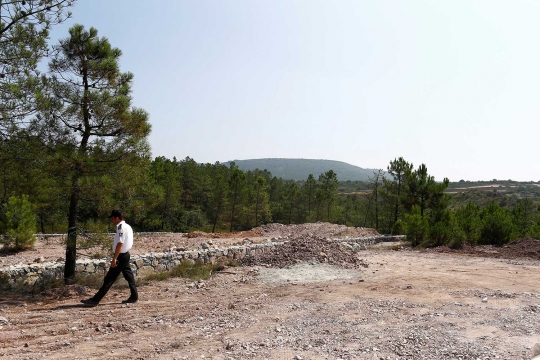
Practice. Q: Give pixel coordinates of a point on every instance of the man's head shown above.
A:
(116, 216)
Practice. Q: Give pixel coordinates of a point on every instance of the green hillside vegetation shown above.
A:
(506, 193)
(182, 196)
(299, 169)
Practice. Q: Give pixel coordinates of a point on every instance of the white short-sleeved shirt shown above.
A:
(124, 235)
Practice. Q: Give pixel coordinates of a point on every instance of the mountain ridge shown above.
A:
(299, 169)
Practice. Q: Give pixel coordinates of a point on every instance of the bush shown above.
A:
(468, 219)
(497, 226)
(416, 227)
(398, 228)
(20, 224)
(534, 231)
(446, 232)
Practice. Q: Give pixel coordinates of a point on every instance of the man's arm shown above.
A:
(116, 253)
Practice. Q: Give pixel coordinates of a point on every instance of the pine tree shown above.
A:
(309, 191)
(86, 119)
(24, 31)
(328, 184)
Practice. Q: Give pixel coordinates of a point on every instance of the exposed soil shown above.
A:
(435, 304)
(53, 248)
(527, 248)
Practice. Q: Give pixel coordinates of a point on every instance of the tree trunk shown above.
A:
(290, 212)
(71, 244)
(257, 208)
(309, 202)
(41, 223)
(396, 211)
(216, 217)
(367, 211)
(233, 206)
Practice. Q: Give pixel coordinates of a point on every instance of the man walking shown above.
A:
(123, 241)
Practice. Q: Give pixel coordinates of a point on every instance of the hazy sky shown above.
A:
(452, 84)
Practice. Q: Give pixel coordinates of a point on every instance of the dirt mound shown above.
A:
(523, 248)
(201, 234)
(527, 247)
(307, 248)
(321, 229)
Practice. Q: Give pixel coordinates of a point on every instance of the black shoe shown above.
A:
(129, 301)
(90, 302)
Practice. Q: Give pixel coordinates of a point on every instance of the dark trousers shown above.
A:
(121, 267)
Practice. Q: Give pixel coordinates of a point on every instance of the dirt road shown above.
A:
(405, 305)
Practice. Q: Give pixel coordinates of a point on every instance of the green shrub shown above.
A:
(4, 281)
(497, 225)
(534, 231)
(20, 224)
(398, 228)
(468, 219)
(416, 227)
(446, 232)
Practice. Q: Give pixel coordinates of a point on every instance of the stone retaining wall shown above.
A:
(27, 276)
(17, 276)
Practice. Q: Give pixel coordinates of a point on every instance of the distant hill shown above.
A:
(299, 169)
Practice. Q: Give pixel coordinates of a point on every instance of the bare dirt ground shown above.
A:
(53, 248)
(436, 304)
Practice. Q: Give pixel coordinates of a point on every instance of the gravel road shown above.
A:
(404, 305)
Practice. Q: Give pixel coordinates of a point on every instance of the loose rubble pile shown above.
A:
(307, 248)
(322, 229)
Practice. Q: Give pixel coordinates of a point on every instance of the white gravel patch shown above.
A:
(307, 273)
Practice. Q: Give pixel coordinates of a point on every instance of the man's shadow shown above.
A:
(78, 306)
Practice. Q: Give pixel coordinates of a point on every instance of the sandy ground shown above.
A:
(405, 305)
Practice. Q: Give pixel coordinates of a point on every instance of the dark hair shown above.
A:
(116, 213)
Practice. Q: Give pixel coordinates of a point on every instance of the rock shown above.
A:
(485, 299)
(535, 352)
(39, 259)
(3, 320)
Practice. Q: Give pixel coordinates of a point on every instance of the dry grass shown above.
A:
(196, 271)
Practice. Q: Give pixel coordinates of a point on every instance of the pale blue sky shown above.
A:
(452, 84)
